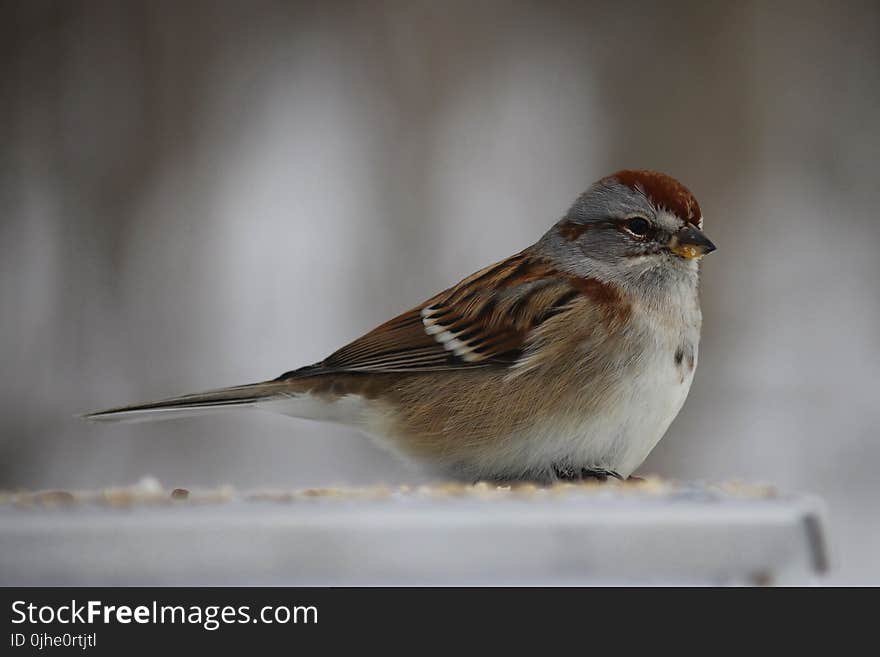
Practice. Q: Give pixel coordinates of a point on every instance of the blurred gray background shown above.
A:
(200, 194)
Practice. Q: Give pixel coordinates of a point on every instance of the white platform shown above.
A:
(649, 533)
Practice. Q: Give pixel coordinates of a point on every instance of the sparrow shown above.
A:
(567, 360)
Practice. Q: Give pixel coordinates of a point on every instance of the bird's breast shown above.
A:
(622, 397)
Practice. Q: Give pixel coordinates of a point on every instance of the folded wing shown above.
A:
(482, 321)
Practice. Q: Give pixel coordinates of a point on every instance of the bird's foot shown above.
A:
(581, 474)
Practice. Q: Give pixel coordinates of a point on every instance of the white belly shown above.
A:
(618, 437)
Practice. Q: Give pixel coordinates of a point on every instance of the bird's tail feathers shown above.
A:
(194, 404)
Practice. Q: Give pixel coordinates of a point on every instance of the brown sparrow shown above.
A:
(569, 359)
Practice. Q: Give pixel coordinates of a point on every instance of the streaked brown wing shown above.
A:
(483, 320)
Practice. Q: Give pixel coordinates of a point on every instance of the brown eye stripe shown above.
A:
(572, 230)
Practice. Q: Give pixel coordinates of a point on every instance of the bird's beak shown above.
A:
(690, 242)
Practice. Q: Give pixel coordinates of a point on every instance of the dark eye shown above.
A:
(638, 226)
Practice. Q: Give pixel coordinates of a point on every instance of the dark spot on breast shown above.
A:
(685, 352)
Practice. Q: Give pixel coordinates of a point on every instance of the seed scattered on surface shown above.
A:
(141, 495)
(54, 498)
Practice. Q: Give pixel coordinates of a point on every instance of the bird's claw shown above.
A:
(572, 474)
